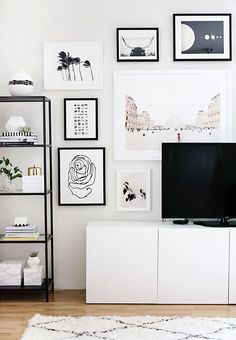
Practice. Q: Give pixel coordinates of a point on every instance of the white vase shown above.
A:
(33, 261)
(14, 123)
(6, 184)
(20, 84)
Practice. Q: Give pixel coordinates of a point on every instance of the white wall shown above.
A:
(24, 26)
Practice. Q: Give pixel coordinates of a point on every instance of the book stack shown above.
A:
(21, 233)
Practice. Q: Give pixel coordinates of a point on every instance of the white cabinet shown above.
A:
(147, 262)
(232, 270)
(121, 262)
(193, 265)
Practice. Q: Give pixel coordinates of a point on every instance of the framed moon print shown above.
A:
(73, 65)
(80, 118)
(133, 189)
(81, 176)
(202, 37)
(137, 44)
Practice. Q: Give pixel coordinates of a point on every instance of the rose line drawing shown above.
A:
(81, 176)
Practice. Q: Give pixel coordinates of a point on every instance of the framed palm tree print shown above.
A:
(73, 65)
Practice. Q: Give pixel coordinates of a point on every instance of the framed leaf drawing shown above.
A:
(133, 189)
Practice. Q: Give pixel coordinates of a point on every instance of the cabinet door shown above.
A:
(193, 265)
(121, 265)
(232, 269)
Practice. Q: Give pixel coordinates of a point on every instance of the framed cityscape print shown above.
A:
(152, 106)
(202, 37)
(81, 176)
(80, 118)
(133, 189)
(137, 44)
(73, 65)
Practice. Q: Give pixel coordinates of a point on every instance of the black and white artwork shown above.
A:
(69, 65)
(137, 44)
(81, 176)
(80, 118)
(133, 190)
(202, 37)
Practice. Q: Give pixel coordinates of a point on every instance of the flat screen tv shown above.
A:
(199, 181)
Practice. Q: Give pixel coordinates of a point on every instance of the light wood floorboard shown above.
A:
(15, 311)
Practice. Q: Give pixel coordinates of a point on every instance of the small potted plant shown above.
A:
(10, 172)
(33, 259)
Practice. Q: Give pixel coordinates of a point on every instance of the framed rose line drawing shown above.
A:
(199, 37)
(73, 65)
(133, 189)
(80, 118)
(137, 44)
(152, 106)
(81, 176)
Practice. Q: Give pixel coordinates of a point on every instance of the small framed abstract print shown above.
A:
(80, 118)
(202, 37)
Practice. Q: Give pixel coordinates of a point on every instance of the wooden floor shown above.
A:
(15, 311)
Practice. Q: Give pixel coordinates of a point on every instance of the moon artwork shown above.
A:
(201, 37)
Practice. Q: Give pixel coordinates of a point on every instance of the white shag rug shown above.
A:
(42, 327)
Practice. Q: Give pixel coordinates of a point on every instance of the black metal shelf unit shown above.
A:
(47, 237)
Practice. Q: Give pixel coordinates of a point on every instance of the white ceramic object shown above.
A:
(21, 84)
(33, 261)
(15, 123)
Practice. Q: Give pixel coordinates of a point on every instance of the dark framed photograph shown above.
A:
(80, 118)
(202, 37)
(81, 176)
(137, 44)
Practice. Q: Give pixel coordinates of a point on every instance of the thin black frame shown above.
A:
(104, 176)
(156, 29)
(229, 15)
(96, 118)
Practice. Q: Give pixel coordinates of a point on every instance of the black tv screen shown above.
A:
(198, 180)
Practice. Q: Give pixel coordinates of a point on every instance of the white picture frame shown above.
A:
(152, 106)
(133, 190)
(73, 65)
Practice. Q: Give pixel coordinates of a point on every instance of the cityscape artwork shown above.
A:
(175, 106)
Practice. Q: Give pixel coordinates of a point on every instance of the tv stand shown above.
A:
(217, 224)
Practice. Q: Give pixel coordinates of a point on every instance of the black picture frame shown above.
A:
(80, 118)
(202, 37)
(81, 176)
(132, 44)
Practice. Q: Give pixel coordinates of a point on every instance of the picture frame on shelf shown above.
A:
(133, 190)
(81, 176)
(202, 37)
(152, 106)
(73, 65)
(80, 118)
(137, 44)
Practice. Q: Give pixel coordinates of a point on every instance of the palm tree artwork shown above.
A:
(67, 68)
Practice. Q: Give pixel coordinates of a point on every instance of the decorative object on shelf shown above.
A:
(33, 183)
(21, 84)
(81, 176)
(15, 124)
(199, 109)
(137, 44)
(11, 272)
(73, 65)
(20, 221)
(133, 189)
(33, 276)
(201, 37)
(80, 118)
(34, 171)
(10, 173)
(33, 259)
